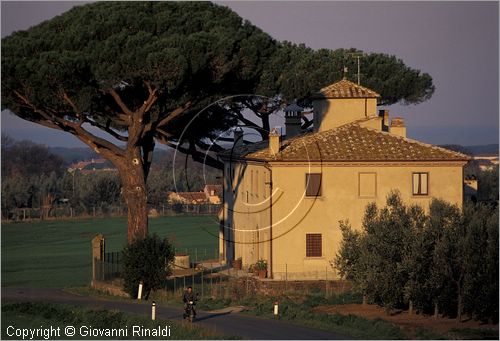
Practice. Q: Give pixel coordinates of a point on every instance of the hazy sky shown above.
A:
(457, 43)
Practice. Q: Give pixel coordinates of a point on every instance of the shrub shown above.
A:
(148, 260)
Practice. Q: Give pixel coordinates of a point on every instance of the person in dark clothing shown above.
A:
(189, 296)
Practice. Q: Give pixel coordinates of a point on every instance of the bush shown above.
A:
(148, 260)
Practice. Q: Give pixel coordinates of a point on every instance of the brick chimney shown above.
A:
(398, 127)
(384, 114)
(274, 142)
(293, 119)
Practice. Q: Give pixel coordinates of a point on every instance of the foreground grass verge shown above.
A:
(293, 311)
(35, 315)
(300, 312)
(474, 334)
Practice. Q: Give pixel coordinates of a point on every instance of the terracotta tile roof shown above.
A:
(345, 89)
(350, 142)
(193, 196)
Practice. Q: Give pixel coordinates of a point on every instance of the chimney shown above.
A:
(293, 119)
(384, 114)
(238, 137)
(398, 127)
(274, 142)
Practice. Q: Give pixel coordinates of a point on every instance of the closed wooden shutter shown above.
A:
(313, 245)
(313, 184)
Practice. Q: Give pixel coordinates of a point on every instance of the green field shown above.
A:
(58, 253)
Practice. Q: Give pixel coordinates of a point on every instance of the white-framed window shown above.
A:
(420, 183)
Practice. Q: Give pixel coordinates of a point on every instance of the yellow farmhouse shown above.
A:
(283, 199)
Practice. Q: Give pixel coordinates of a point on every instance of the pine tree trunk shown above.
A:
(410, 312)
(365, 300)
(436, 310)
(135, 195)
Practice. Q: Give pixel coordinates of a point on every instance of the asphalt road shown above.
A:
(230, 324)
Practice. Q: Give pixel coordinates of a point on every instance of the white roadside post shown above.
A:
(275, 308)
(139, 293)
(153, 311)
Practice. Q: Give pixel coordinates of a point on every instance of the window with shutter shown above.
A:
(420, 184)
(313, 245)
(313, 184)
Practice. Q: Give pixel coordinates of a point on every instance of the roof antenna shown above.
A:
(357, 55)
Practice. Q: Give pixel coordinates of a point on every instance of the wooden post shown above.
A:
(98, 250)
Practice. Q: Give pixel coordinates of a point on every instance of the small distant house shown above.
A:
(213, 193)
(188, 198)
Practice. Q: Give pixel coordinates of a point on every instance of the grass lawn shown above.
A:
(58, 253)
(34, 315)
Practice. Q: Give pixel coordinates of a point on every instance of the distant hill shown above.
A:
(486, 149)
(74, 155)
(483, 149)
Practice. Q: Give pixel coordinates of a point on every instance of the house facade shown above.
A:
(284, 198)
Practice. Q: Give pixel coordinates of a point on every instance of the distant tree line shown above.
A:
(33, 177)
(441, 261)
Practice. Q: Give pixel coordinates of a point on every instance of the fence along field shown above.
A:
(58, 253)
